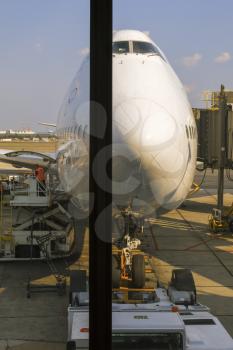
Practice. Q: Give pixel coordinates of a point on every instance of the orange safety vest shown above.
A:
(40, 174)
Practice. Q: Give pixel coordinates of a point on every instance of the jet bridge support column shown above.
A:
(223, 108)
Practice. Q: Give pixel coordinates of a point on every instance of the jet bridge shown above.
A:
(209, 124)
(215, 150)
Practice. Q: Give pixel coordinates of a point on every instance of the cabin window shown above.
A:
(76, 132)
(190, 132)
(120, 47)
(85, 132)
(80, 131)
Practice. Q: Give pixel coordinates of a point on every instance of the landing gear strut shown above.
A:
(128, 263)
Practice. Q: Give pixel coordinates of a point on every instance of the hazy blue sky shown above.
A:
(42, 43)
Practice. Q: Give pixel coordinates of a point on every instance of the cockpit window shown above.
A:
(138, 47)
(120, 47)
(144, 48)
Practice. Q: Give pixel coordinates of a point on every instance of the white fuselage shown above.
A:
(154, 131)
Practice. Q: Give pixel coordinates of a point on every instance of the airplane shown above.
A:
(154, 131)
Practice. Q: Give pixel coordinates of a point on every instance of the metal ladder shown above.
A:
(5, 211)
(60, 286)
(6, 224)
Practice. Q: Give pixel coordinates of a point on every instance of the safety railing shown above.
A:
(33, 187)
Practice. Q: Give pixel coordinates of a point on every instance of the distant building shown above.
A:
(17, 132)
(211, 98)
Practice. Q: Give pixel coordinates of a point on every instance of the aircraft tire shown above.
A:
(231, 225)
(116, 273)
(70, 345)
(138, 271)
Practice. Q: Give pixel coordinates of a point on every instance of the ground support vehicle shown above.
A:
(160, 319)
(221, 220)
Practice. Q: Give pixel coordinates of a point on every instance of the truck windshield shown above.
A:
(161, 341)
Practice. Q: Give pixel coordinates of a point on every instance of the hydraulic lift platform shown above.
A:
(27, 217)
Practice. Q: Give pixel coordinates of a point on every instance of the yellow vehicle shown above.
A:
(128, 264)
(221, 220)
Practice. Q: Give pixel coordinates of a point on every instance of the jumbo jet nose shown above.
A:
(144, 122)
(164, 156)
(153, 135)
(147, 127)
(158, 128)
(161, 150)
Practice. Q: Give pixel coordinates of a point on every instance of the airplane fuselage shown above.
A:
(154, 131)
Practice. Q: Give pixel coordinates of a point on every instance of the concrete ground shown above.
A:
(180, 238)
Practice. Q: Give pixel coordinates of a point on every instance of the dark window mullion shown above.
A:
(100, 251)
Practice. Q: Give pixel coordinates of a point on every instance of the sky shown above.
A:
(43, 42)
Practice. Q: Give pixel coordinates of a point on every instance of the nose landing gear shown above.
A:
(128, 262)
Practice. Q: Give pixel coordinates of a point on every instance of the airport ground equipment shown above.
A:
(38, 213)
(128, 263)
(158, 319)
(60, 286)
(221, 220)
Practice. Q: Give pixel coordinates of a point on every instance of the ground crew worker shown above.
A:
(40, 177)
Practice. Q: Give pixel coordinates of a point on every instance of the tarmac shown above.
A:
(180, 238)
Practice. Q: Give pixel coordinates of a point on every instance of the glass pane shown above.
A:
(155, 155)
(120, 47)
(147, 341)
(44, 79)
(143, 47)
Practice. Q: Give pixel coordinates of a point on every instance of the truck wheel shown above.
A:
(116, 273)
(138, 271)
(70, 345)
(78, 280)
(231, 225)
(116, 278)
(115, 261)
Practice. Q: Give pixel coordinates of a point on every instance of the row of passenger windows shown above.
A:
(191, 132)
(75, 132)
(138, 47)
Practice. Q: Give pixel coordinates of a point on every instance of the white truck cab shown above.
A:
(154, 322)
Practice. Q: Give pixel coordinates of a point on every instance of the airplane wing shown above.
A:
(26, 159)
(10, 170)
(48, 124)
(23, 162)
